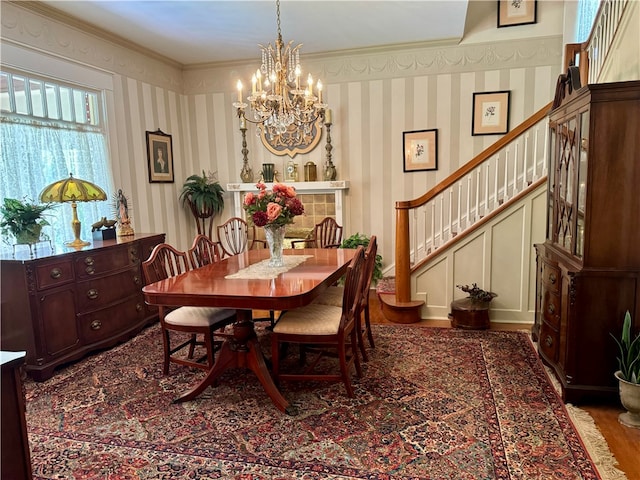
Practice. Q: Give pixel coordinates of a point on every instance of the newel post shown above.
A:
(403, 273)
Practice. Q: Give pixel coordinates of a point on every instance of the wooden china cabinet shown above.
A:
(62, 304)
(588, 268)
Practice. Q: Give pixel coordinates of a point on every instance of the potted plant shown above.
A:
(23, 219)
(472, 312)
(205, 197)
(357, 239)
(628, 374)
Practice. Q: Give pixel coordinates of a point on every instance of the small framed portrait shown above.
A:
(420, 150)
(516, 12)
(490, 113)
(159, 157)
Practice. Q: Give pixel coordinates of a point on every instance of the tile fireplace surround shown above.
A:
(320, 199)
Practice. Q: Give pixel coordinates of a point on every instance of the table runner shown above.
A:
(263, 271)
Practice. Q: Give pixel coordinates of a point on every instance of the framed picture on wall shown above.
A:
(159, 157)
(490, 113)
(516, 12)
(420, 150)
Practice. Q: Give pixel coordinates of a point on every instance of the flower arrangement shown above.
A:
(273, 207)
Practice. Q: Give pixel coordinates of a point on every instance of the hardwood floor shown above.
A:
(623, 442)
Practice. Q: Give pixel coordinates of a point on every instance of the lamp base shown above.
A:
(77, 243)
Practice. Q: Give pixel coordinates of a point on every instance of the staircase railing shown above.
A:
(591, 55)
(501, 172)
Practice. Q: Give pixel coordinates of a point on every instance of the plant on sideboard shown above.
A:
(23, 219)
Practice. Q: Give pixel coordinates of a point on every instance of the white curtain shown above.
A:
(34, 154)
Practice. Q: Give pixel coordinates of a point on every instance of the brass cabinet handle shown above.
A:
(90, 270)
(548, 341)
(552, 278)
(136, 279)
(551, 308)
(55, 273)
(92, 294)
(89, 261)
(96, 325)
(138, 307)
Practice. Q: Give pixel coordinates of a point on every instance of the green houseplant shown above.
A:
(23, 219)
(357, 239)
(205, 197)
(628, 374)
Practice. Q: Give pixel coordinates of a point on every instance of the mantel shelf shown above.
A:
(307, 187)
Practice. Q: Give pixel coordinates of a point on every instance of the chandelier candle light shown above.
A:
(278, 102)
(273, 210)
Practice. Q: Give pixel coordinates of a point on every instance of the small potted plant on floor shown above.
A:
(472, 312)
(628, 374)
(23, 219)
(357, 239)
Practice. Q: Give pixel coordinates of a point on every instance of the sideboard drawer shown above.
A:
(96, 293)
(53, 274)
(551, 276)
(100, 262)
(103, 323)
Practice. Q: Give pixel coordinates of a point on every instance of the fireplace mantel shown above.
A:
(337, 187)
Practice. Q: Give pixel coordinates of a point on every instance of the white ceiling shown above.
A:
(192, 32)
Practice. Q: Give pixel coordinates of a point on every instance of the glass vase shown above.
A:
(275, 240)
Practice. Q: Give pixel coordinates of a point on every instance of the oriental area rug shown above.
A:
(431, 404)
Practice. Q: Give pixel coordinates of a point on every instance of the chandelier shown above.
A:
(283, 110)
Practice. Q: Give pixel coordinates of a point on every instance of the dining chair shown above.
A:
(334, 294)
(324, 327)
(203, 251)
(326, 234)
(166, 262)
(236, 236)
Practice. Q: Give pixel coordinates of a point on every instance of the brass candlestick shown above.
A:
(329, 169)
(246, 174)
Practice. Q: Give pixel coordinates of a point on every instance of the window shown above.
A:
(47, 131)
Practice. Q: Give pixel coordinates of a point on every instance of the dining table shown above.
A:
(245, 282)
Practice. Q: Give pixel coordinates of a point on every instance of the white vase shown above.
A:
(630, 398)
(275, 240)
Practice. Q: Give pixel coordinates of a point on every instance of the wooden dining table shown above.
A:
(243, 282)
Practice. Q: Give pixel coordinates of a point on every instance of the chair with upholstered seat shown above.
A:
(203, 251)
(166, 262)
(324, 327)
(236, 236)
(333, 296)
(326, 234)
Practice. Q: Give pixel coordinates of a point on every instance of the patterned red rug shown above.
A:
(432, 404)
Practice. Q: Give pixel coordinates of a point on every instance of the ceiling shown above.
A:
(193, 32)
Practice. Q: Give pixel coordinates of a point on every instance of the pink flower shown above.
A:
(249, 199)
(273, 211)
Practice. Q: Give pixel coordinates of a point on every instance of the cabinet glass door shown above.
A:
(582, 181)
(566, 169)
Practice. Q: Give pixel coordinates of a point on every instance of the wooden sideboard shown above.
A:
(60, 306)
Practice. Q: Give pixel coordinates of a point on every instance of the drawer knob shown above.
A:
(90, 270)
(92, 294)
(551, 308)
(96, 325)
(89, 261)
(136, 279)
(55, 273)
(552, 278)
(548, 341)
(138, 307)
